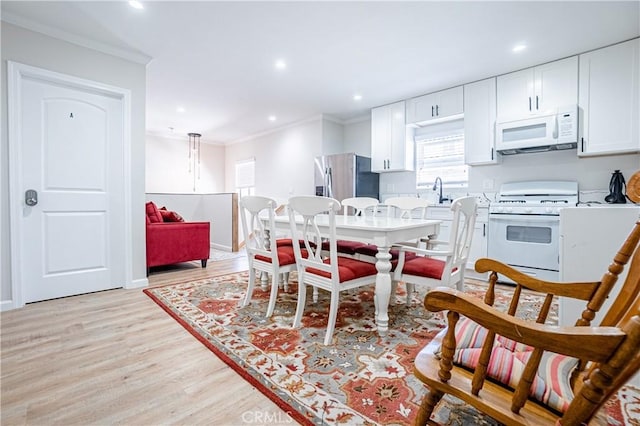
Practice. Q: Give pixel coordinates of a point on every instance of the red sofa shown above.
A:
(171, 240)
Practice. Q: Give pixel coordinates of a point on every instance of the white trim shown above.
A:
(357, 119)
(7, 305)
(221, 247)
(317, 117)
(142, 282)
(16, 72)
(129, 55)
(179, 137)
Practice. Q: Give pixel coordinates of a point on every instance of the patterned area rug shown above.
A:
(361, 379)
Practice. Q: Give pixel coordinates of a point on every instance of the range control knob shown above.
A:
(528, 209)
(548, 210)
(509, 209)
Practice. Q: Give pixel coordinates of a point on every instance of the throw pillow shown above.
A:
(170, 216)
(153, 213)
(551, 385)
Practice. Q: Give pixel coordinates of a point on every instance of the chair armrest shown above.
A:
(592, 343)
(582, 291)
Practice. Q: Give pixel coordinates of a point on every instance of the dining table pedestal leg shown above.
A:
(383, 288)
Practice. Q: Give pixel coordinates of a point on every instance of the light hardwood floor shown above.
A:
(115, 357)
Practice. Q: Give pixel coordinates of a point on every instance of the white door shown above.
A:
(72, 156)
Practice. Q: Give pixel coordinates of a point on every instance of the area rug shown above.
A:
(361, 379)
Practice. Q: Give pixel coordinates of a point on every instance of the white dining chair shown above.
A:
(363, 207)
(407, 207)
(265, 252)
(333, 273)
(444, 265)
(404, 208)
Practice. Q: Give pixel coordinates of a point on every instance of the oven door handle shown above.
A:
(524, 218)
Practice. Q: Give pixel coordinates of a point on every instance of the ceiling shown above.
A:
(216, 59)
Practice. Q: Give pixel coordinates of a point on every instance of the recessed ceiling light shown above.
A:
(180, 109)
(519, 48)
(272, 118)
(136, 4)
(357, 97)
(280, 64)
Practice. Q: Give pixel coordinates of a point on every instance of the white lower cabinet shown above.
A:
(479, 241)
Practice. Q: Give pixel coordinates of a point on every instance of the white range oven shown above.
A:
(524, 226)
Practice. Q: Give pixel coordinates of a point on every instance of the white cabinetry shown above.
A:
(609, 99)
(391, 141)
(479, 241)
(587, 250)
(479, 122)
(538, 90)
(446, 104)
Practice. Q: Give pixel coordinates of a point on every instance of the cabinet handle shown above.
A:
(432, 110)
(529, 103)
(537, 102)
(491, 154)
(437, 112)
(484, 229)
(582, 144)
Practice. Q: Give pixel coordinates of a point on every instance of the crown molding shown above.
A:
(47, 30)
(317, 117)
(178, 137)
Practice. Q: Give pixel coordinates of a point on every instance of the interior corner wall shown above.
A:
(332, 137)
(283, 160)
(357, 137)
(35, 49)
(167, 167)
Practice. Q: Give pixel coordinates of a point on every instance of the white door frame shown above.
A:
(16, 73)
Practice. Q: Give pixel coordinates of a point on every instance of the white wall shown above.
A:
(284, 160)
(332, 137)
(357, 136)
(31, 48)
(171, 154)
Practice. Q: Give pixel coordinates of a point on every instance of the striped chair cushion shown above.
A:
(551, 385)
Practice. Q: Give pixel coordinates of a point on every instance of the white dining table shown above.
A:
(383, 232)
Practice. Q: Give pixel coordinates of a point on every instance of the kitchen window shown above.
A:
(440, 153)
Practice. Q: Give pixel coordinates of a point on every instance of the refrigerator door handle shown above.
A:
(329, 183)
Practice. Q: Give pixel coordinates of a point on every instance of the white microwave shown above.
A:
(558, 130)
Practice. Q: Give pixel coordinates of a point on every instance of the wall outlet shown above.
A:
(487, 184)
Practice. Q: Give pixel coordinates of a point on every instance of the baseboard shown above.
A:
(142, 282)
(221, 247)
(7, 305)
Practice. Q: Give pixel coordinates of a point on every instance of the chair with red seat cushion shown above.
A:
(444, 266)
(362, 207)
(265, 254)
(332, 273)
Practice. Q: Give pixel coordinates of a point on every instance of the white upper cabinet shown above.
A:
(445, 104)
(538, 90)
(479, 122)
(391, 140)
(609, 100)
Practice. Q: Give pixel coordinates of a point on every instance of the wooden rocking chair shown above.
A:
(605, 357)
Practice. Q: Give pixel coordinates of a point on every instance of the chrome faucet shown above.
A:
(435, 185)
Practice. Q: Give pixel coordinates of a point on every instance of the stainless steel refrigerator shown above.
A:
(343, 176)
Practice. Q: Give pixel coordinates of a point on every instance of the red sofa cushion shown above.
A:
(153, 213)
